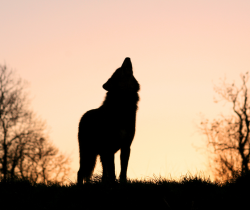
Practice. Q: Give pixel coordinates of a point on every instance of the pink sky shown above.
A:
(179, 49)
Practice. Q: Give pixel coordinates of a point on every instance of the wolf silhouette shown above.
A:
(111, 127)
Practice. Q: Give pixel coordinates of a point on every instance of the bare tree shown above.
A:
(43, 163)
(228, 137)
(25, 150)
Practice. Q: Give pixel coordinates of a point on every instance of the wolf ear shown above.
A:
(127, 66)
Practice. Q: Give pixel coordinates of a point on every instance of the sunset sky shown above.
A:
(179, 49)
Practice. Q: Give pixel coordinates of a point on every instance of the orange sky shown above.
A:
(179, 49)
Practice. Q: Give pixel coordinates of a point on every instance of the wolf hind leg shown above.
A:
(87, 165)
(108, 166)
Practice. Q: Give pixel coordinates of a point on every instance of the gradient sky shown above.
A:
(179, 49)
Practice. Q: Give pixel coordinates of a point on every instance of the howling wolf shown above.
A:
(111, 127)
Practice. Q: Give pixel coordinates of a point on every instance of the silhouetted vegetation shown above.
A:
(228, 138)
(25, 151)
(158, 193)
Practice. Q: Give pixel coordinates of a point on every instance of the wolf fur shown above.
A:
(111, 127)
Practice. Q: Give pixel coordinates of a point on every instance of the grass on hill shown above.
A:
(191, 192)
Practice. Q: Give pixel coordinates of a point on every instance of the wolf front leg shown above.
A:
(125, 153)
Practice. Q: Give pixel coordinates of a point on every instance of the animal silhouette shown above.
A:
(111, 127)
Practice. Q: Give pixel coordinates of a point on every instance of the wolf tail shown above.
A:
(87, 165)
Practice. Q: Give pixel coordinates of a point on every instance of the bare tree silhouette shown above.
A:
(25, 150)
(228, 137)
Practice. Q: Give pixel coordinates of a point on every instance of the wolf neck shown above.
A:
(121, 100)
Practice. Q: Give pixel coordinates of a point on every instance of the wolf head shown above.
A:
(123, 79)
